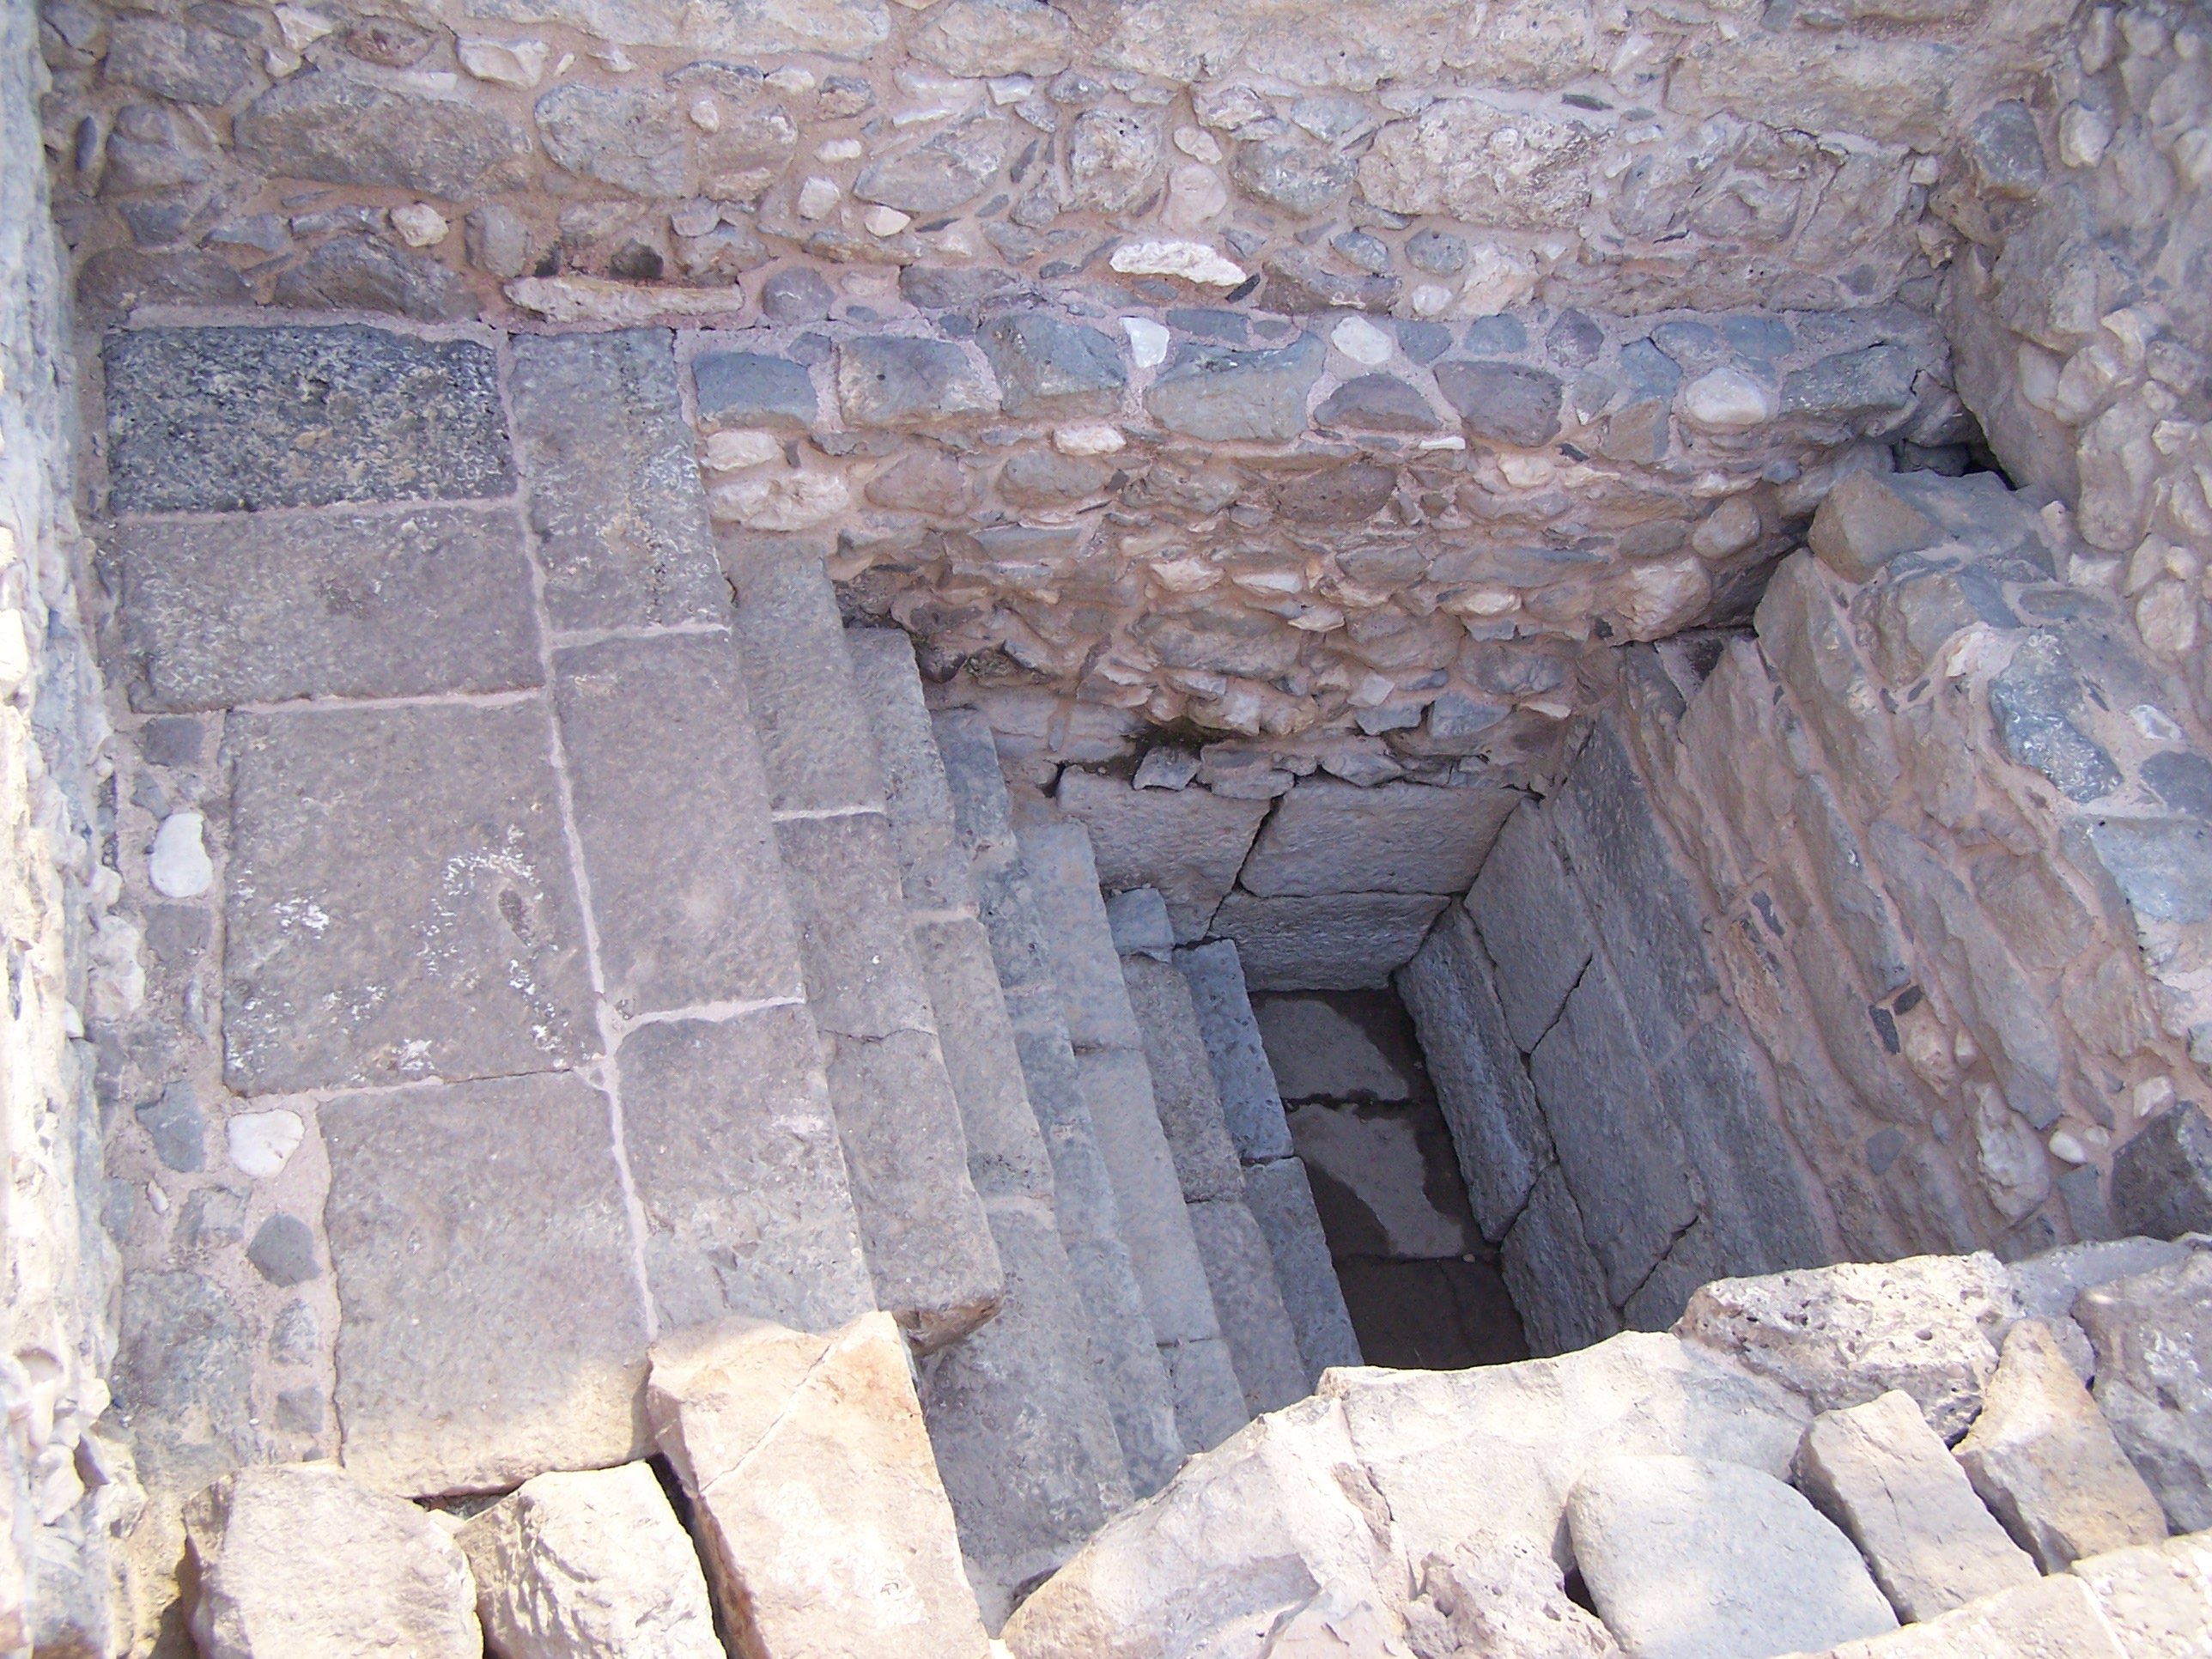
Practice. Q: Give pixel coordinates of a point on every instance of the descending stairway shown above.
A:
(798, 1016)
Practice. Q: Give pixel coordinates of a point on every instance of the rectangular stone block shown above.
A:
(1640, 900)
(1189, 843)
(671, 809)
(1208, 1400)
(843, 879)
(1533, 925)
(237, 420)
(739, 1173)
(1617, 1145)
(1557, 1285)
(1335, 942)
(1482, 1084)
(932, 855)
(980, 807)
(491, 1326)
(1006, 1155)
(400, 903)
(1183, 1090)
(1329, 836)
(1282, 1203)
(1154, 1222)
(1063, 884)
(814, 730)
(921, 1223)
(612, 483)
(1251, 1106)
(265, 609)
(1263, 1347)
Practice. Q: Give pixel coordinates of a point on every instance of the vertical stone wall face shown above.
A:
(2077, 305)
(72, 959)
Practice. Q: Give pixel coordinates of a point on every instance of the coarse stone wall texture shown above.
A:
(73, 964)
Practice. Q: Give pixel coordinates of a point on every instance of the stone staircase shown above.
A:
(630, 960)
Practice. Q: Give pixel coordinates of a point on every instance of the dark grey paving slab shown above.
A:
(861, 974)
(257, 610)
(932, 855)
(229, 420)
(735, 1157)
(671, 807)
(1251, 1105)
(1334, 942)
(1006, 1155)
(614, 487)
(1262, 1346)
(183, 1380)
(492, 1326)
(400, 904)
(1063, 886)
(806, 705)
(1183, 1090)
(1281, 1200)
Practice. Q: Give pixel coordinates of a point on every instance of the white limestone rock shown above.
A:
(1505, 1602)
(179, 866)
(298, 1561)
(589, 1565)
(1690, 1559)
(261, 1143)
(827, 1531)
(1192, 262)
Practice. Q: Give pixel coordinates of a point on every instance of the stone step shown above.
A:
(1110, 1051)
(1275, 1183)
(1130, 1368)
(1239, 1266)
(1023, 1435)
(929, 1244)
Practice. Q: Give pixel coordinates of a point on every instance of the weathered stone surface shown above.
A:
(1188, 843)
(1248, 1299)
(1377, 402)
(1846, 1334)
(2057, 1617)
(366, 273)
(632, 140)
(229, 420)
(1007, 1154)
(1328, 836)
(947, 172)
(750, 388)
(2157, 1598)
(675, 929)
(1063, 885)
(1297, 176)
(1209, 1399)
(1046, 366)
(120, 279)
(1183, 1090)
(1248, 1533)
(2152, 1334)
(214, 615)
(803, 701)
(1505, 402)
(997, 36)
(889, 380)
(1281, 1200)
(1531, 924)
(1209, 392)
(739, 1173)
(347, 131)
(826, 1530)
(400, 904)
(1689, 1558)
(589, 1565)
(1452, 160)
(491, 1326)
(1870, 388)
(1251, 1108)
(183, 1379)
(1341, 941)
(1506, 1601)
(836, 28)
(1492, 1452)
(616, 502)
(193, 66)
(2162, 1177)
(1879, 1473)
(1864, 523)
(1489, 1103)
(299, 1560)
(2045, 1462)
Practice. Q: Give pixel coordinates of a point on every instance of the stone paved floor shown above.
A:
(1421, 1285)
(466, 1008)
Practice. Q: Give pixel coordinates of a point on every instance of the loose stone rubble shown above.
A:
(665, 670)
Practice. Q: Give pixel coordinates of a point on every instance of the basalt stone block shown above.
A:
(1505, 402)
(1211, 393)
(889, 380)
(400, 904)
(1047, 366)
(1251, 1106)
(749, 388)
(1350, 494)
(2163, 867)
(184, 1380)
(492, 1327)
(2032, 702)
(1532, 923)
(213, 615)
(1332, 941)
(1297, 280)
(119, 279)
(614, 499)
(1377, 402)
(2162, 1176)
(739, 1173)
(185, 62)
(367, 273)
(633, 141)
(1183, 1090)
(1329, 836)
(228, 420)
(1873, 385)
(340, 131)
(2151, 1333)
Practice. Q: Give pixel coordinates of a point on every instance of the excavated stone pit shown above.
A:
(1125, 701)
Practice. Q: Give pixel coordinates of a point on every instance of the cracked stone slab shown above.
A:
(213, 615)
(615, 500)
(739, 1174)
(1335, 942)
(231, 420)
(400, 904)
(1329, 836)
(671, 808)
(492, 1326)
